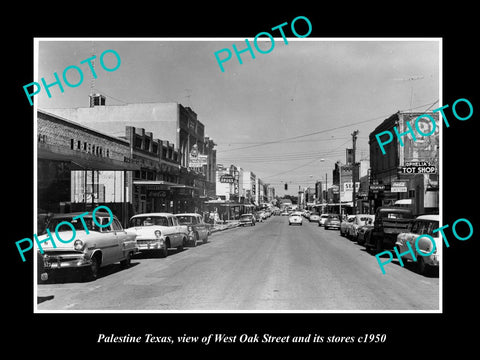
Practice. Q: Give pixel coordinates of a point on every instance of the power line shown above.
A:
(321, 131)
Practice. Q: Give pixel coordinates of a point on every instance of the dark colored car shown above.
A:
(389, 222)
(332, 222)
(247, 219)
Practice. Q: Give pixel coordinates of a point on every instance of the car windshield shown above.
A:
(77, 224)
(149, 221)
(186, 219)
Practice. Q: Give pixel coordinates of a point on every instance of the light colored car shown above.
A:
(358, 221)
(332, 222)
(426, 256)
(346, 224)
(157, 232)
(94, 247)
(323, 217)
(314, 217)
(198, 230)
(247, 219)
(295, 218)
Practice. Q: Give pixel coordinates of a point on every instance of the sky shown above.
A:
(278, 114)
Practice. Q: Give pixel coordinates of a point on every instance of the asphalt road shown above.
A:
(271, 266)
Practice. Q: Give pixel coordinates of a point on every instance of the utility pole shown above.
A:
(354, 202)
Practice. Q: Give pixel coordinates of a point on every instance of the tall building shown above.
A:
(407, 174)
(172, 122)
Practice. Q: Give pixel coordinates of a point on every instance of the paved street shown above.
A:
(271, 266)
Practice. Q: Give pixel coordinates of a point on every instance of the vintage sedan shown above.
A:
(198, 230)
(157, 232)
(322, 220)
(247, 219)
(426, 253)
(314, 217)
(346, 224)
(295, 218)
(364, 231)
(358, 221)
(92, 247)
(332, 222)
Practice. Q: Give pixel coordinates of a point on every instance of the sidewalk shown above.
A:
(230, 224)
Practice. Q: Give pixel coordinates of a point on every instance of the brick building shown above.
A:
(395, 173)
(71, 159)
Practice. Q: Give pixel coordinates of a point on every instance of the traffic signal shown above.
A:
(286, 186)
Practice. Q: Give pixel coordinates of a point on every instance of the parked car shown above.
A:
(428, 256)
(295, 218)
(346, 224)
(99, 247)
(365, 231)
(358, 221)
(314, 217)
(258, 217)
(389, 222)
(323, 217)
(157, 232)
(333, 221)
(198, 230)
(247, 219)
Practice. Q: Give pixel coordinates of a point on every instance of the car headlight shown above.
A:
(158, 233)
(78, 245)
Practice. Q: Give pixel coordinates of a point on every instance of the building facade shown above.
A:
(409, 173)
(172, 122)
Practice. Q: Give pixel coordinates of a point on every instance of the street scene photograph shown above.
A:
(238, 175)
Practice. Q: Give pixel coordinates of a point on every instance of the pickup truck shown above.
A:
(389, 222)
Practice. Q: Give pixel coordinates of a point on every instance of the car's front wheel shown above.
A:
(92, 271)
(164, 250)
(127, 261)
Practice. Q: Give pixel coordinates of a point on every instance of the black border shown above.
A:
(431, 332)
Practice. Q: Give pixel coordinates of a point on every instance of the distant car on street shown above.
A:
(100, 246)
(323, 217)
(285, 213)
(247, 219)
(295, 218)
(258, 216)
(422, 225)
(157, 232)
(332, 222)
(314, 217)
(346, 224)
(198, 230)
